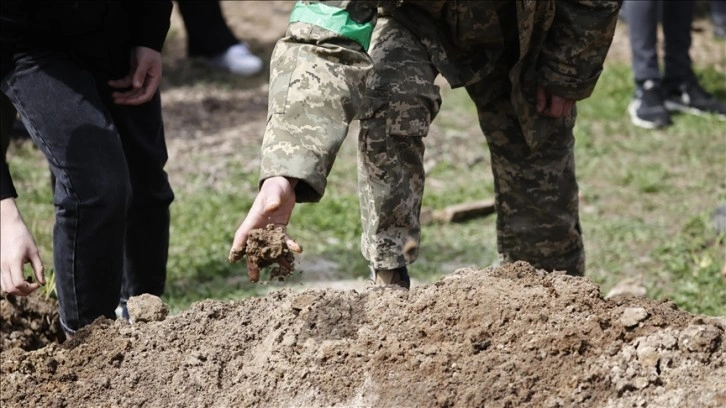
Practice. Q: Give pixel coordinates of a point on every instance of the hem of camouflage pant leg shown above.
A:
(385, 266)
(379, 261)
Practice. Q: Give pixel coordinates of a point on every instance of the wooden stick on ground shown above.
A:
(459, 212)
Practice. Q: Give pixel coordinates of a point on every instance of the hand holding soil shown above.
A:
(265, 247)
(262, 236)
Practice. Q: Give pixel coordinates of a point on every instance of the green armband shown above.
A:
(334, 19)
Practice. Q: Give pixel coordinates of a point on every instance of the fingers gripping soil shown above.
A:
(268, 246)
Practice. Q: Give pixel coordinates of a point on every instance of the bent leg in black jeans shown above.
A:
(111, 195)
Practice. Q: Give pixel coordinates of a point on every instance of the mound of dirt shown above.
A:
(29, 323)
(509, 336)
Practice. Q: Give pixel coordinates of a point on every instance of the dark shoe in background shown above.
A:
(691, 98)
(647, 109)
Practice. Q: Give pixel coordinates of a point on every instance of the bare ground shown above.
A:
(509, 336)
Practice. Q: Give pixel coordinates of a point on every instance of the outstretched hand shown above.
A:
(17, 247)
(143, 80)
(273, 205)
(552, 105)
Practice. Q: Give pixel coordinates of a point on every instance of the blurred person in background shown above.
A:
(211, 39)
(675, 88)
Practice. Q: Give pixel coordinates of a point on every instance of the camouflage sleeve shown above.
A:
(576, 47)
(317, 75)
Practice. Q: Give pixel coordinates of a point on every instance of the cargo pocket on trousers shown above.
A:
(400, 118)
(383, 123)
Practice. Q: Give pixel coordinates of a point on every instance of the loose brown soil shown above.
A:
(508, 336)
(500, 337)
(29, 323)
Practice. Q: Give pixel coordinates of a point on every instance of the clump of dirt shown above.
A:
(29, 323)
(265, 247)
(147, 308)
(508, 336)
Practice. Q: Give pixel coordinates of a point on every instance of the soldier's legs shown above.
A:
(400, 102)
(536, 191)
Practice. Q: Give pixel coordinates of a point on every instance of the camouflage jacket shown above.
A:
(317, 75)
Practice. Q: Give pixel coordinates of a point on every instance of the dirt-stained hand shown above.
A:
(143, 80)
(273, 205)
(17, 247)
(552, 105)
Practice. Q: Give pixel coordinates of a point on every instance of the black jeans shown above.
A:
(676, 18)
(112, 196)
(208, 34)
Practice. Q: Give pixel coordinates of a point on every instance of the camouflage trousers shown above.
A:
(536, 191)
